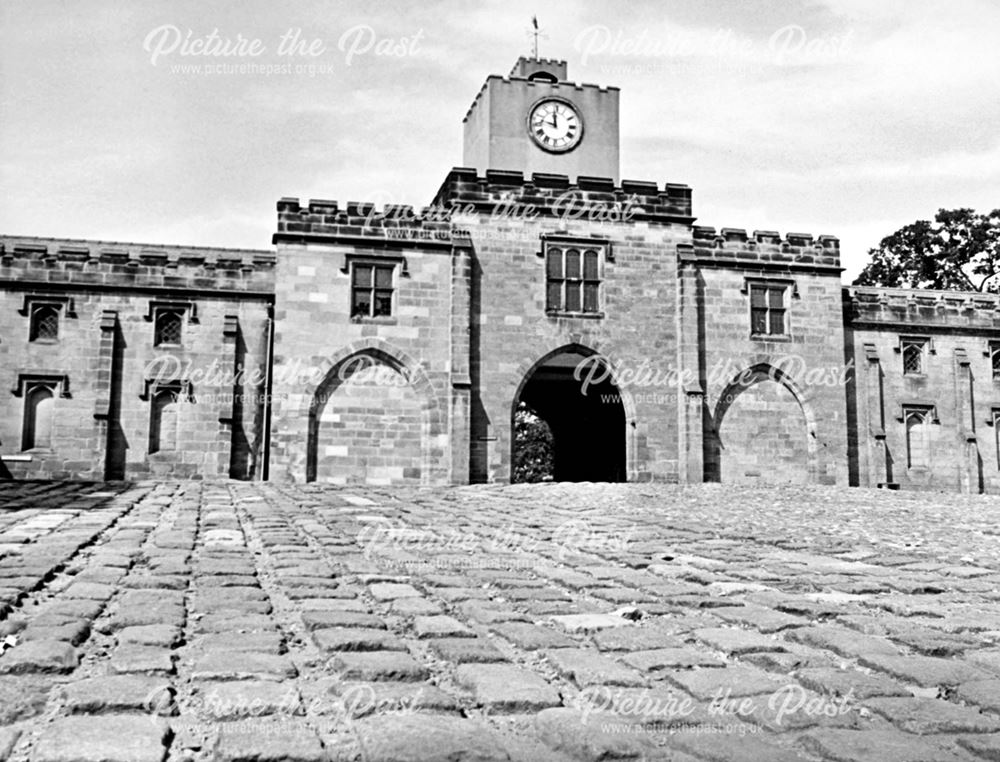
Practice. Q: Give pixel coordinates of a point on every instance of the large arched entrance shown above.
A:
(367, 424)
(761, 432)
(571, 393)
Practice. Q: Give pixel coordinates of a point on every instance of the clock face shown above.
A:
(555, 125)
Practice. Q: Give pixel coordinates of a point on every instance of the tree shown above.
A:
(533, 447)
(959, 251)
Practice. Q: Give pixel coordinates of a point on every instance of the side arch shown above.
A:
(763, 429)
(404, 396)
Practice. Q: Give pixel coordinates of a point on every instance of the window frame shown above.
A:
(27, 385)
(34, 308)
(175, 392)
(186, 310)
(787, 290)
(31, 389)
(928, 416)
(994, 421)
(158, 314)
(993, 353)
(579, 283)
(923, 345)
(376, 264)
(64, 307)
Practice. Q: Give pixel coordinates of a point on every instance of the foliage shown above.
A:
(959, 251)
(533, 447)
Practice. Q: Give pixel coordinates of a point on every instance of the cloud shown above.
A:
(843, 139)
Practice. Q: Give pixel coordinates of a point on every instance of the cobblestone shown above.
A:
(883, 745)
(506, 688)
(39, 656)
(111, 738)
(280, 742)
(408, 738)
(585, 667)
(246, 621)
(378, 665)
(94, 695)
(925, 716)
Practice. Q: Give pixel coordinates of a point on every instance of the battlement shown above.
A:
(112, 264)
(921, 308)
(396, 224)
(529, 67)
(510, 194)
(731, 246)
(551, 88)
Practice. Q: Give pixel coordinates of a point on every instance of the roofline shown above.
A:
(12, 238)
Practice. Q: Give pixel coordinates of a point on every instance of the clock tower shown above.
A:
(533, 120)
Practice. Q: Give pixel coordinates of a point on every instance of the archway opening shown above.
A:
(572, 394)
(534, 447)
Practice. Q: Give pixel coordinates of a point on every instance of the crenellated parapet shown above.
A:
(908, 309)
(500, 195)
(734, 247)
(362, 223)
(521, 76)
(511, 195)
(525, 67)
(113, 264)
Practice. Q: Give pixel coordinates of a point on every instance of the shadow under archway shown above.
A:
(586, 420)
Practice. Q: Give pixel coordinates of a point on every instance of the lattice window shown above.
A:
(913, 356)
(371, 289)
(768, 309)
(994, 353)
(168, 327)
(573, 278)
(39, 415)
(44, 324)
(918, 423)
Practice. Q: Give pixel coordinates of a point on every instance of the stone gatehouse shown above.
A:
(393, 345)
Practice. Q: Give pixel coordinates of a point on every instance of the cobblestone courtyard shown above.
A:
(234, 621)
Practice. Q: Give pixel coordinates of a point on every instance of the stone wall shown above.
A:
(426, 395)
(328, 424)
(507, 217)
(106, 369)
(762, 407)
(956, 386)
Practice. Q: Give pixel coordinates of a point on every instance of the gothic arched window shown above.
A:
(163, 421)
(918, 438)
(39, 401)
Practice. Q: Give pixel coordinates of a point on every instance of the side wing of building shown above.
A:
(128, 361)
(924, 407)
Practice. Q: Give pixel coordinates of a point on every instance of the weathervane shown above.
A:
(535, 33)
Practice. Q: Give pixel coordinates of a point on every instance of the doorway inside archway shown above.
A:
(586, 421)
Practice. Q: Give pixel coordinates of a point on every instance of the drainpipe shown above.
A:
(268, 371)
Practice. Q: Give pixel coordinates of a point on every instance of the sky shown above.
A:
(842, 117)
